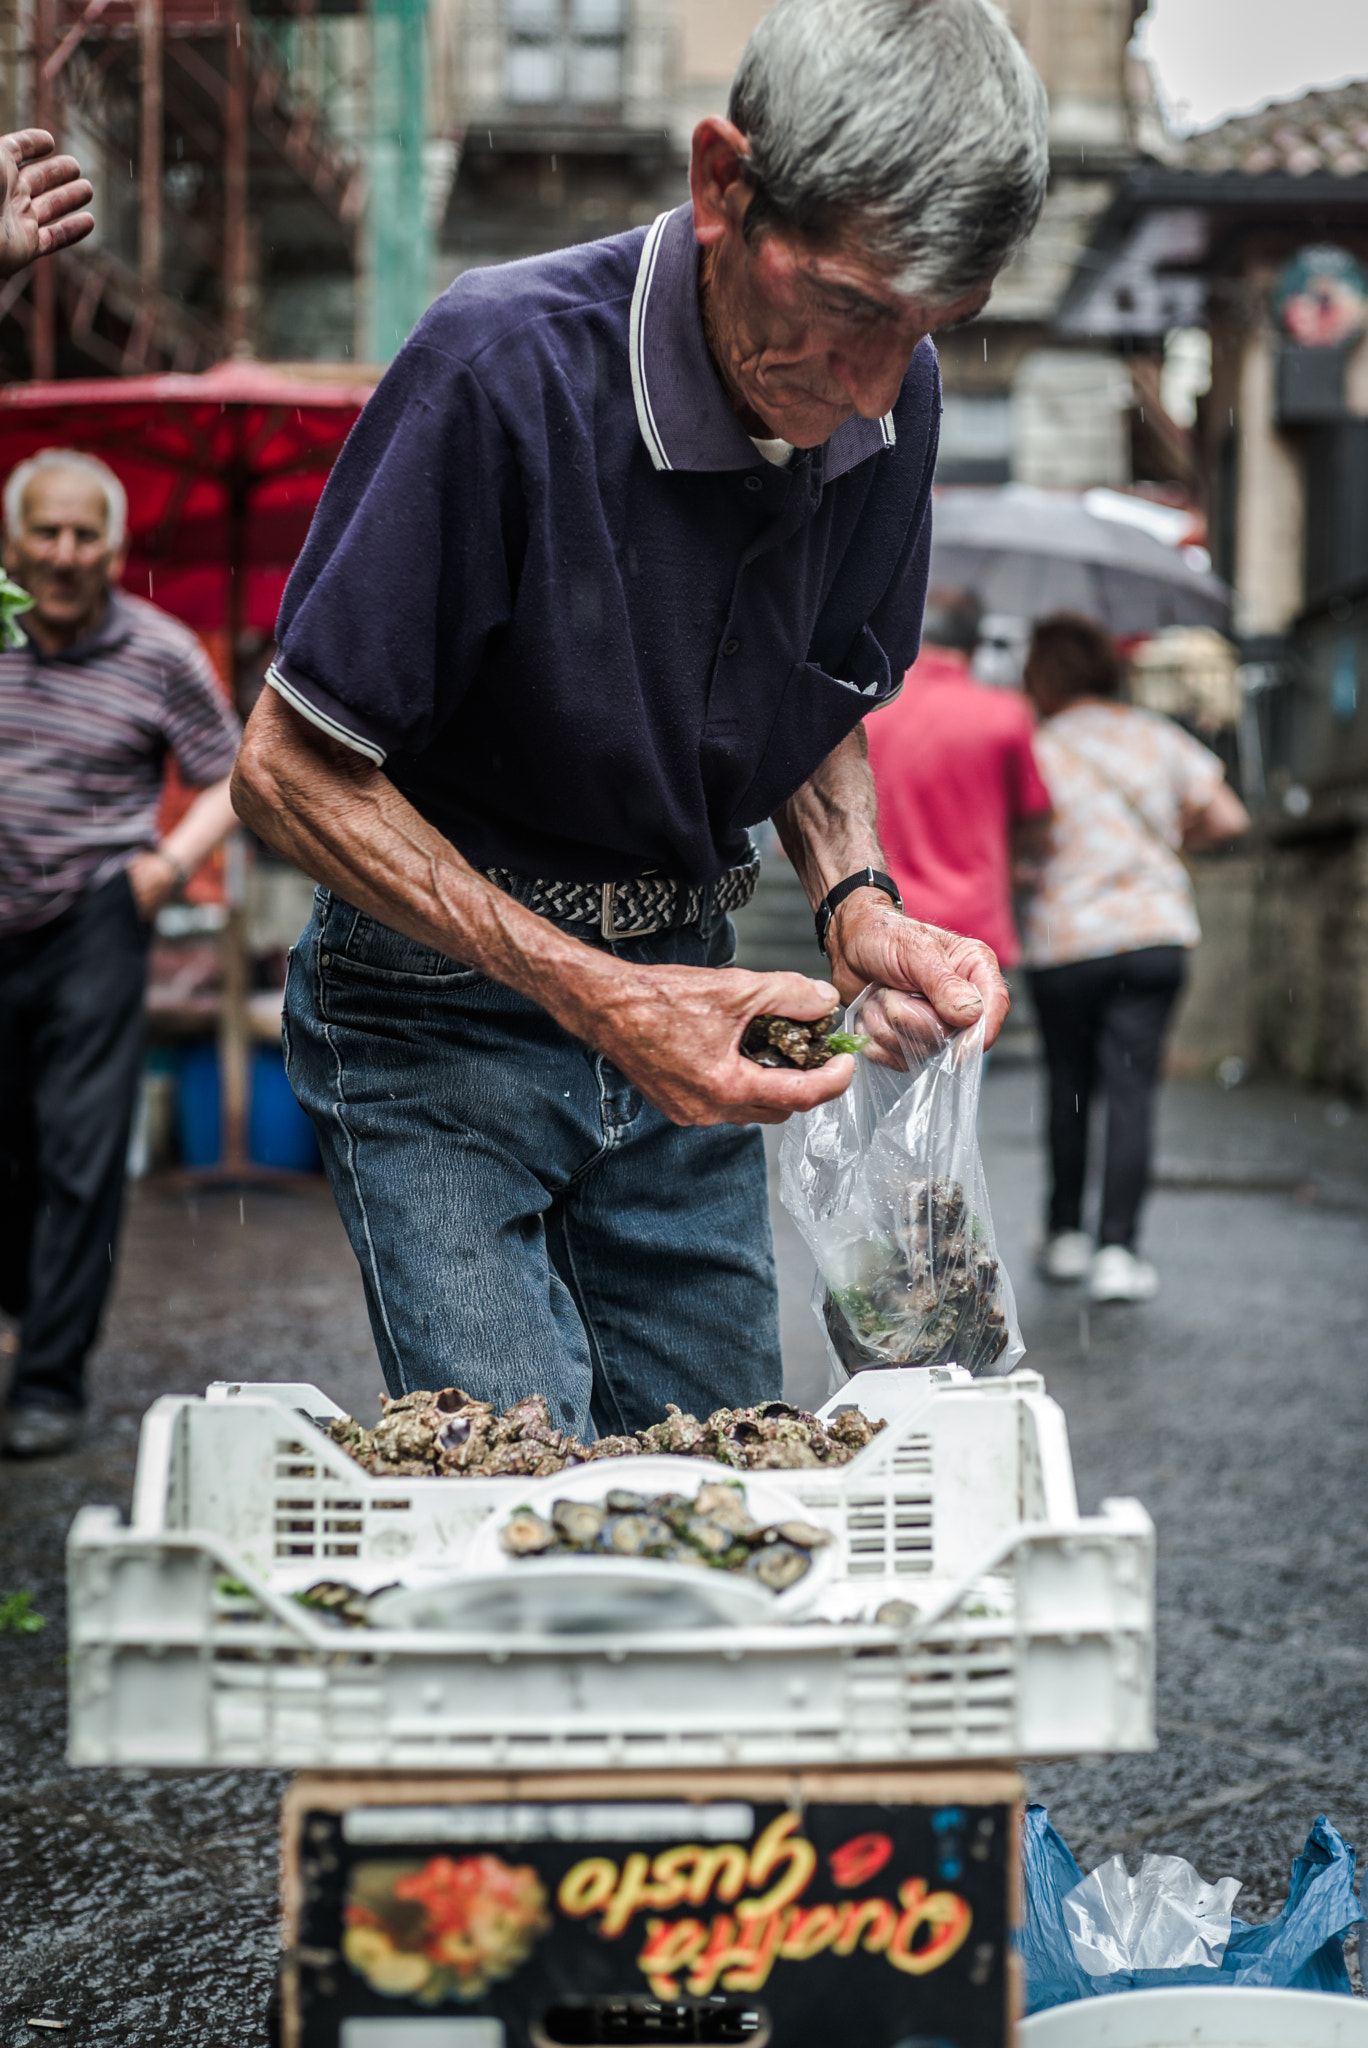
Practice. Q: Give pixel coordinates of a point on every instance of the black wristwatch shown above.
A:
(867, 878)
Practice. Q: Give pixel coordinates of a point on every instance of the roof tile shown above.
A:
(1324, 130)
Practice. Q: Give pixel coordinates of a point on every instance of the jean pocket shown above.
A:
(356, 944)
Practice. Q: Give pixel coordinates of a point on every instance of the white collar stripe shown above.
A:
(331, 726)
(650, 433)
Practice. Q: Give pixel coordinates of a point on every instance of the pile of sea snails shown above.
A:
(452, 1435)
(713, 1529)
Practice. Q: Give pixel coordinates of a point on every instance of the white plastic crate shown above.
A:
(1033, 1637)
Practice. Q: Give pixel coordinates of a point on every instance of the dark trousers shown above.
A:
(1103, 1024)
(71, 997)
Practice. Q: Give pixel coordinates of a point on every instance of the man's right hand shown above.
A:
(41, 200)
(675, 1032)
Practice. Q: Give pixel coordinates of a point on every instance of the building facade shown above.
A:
(1255, 234)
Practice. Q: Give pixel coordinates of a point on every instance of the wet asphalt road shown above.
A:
(142, 1909)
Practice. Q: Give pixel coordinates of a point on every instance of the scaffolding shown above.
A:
(258, 168)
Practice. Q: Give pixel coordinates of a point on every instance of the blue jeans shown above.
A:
(525, 1222)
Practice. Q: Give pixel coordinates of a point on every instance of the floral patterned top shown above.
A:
(1112, 881)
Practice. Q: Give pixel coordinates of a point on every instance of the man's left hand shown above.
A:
(154, 879)
(41, 200)
(870, 941)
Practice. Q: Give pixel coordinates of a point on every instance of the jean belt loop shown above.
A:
(708, 915)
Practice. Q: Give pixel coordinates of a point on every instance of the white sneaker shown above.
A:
(1117, 1275)
(1066, 1256)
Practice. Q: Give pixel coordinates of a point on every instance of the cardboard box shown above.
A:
(782, 1910)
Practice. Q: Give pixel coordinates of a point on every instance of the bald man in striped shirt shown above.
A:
(103, 689)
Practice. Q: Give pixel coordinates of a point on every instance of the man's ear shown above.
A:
(718, 184)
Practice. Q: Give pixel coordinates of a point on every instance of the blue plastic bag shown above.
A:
(1302, 1950)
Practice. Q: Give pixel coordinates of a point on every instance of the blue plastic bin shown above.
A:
(198, 1103)
(278, 1132)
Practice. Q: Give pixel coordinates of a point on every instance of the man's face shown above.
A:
(61, 553)
(805, 334)
(808, 337)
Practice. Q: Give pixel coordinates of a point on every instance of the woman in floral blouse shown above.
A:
(1107, 930)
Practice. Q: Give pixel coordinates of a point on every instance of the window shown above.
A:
(975, 439)
(561, 51)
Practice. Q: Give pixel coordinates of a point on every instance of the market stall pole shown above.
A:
(223, 471)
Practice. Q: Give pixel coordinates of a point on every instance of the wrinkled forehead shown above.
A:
(845, 265)
(65, 497)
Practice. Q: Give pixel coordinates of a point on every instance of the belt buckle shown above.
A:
(607, 910)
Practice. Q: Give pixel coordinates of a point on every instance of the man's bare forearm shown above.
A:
(208, 820)
(340, 819)
(829, 828)
(673, 1031)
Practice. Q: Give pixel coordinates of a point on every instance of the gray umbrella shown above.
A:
(1025, 552)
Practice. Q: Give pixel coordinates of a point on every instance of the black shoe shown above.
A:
(39, 1432)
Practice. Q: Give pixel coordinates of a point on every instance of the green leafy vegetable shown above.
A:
(17, 1614)
(847, 1041)
(13, 600)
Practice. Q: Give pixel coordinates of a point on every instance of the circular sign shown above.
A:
(1321, 297)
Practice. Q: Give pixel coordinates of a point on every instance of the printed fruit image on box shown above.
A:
(446, 1928)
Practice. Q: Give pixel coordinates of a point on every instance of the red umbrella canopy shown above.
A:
(222, 471)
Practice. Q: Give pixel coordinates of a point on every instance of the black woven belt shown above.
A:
(630, 910)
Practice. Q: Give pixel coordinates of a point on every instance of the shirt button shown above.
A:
(753, 483)
(730, 646)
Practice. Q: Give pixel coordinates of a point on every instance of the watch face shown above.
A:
(1321, 297)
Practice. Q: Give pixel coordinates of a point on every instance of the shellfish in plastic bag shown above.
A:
(886, 1185)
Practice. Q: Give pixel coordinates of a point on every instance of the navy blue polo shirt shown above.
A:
(553, 588)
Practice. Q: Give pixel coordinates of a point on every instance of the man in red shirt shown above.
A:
(959, 791)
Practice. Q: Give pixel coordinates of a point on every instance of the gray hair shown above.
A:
(22, 475)
(918, 127)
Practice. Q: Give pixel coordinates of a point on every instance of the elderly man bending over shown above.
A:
(619, 556)
(89, 707)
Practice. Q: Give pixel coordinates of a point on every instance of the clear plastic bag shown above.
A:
(886, 1185)
(1163, 1916)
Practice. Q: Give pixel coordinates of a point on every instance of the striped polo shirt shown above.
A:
(84, 736)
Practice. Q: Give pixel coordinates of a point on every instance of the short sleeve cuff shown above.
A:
(313, 702)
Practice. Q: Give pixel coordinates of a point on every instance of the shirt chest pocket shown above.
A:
(814, 713)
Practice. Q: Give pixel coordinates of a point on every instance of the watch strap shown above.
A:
(182, 874)
(866, 878)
